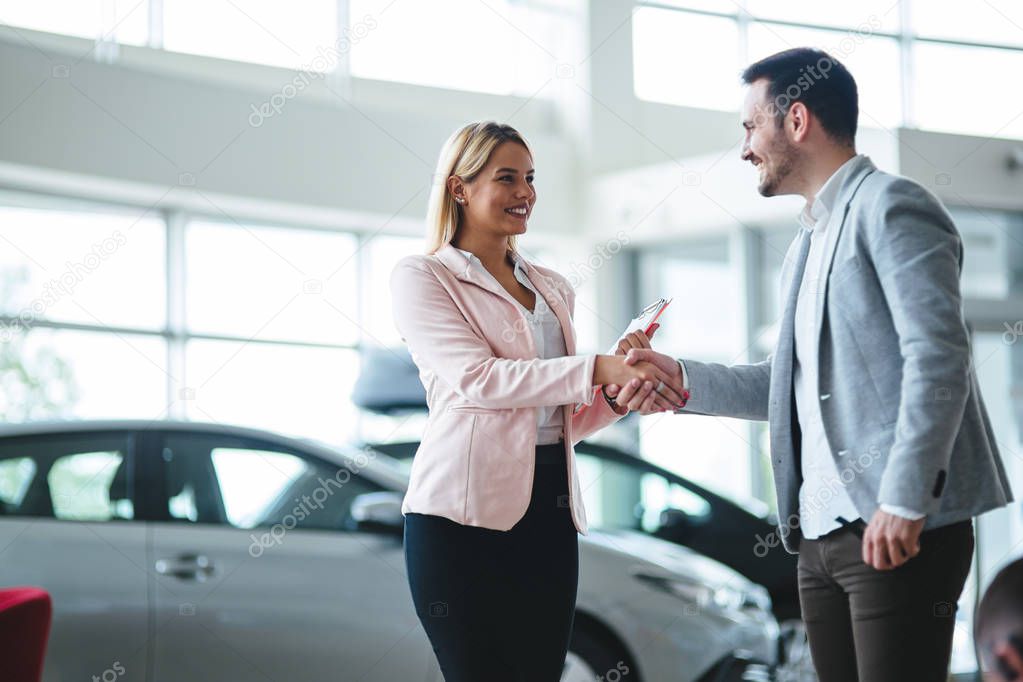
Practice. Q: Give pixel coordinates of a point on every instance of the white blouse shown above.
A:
(548, 338)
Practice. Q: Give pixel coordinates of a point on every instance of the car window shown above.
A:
(619, 495)
(249, 485)
(80, 477)
(659, 494)
(15, 475)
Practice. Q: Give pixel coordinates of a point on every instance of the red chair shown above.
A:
(25, 614)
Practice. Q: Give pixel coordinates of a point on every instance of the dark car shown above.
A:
(687, 514)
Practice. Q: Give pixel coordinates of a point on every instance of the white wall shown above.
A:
(129, 131)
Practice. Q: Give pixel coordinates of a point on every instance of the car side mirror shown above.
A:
(378, 512)
(674, 520)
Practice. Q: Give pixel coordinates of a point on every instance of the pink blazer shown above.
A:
(483, 380)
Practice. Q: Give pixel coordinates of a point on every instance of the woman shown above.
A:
(494, 504)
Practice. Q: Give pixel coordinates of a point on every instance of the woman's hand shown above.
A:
(613, 369)
(636, 339)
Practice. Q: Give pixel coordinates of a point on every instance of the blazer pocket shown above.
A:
(474, 409)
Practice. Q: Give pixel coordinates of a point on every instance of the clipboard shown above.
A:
(646, 319)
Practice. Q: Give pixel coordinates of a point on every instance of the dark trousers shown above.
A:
(499, 605)
(866, 625)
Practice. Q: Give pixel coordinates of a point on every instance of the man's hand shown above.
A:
(636, 339)
(643, 398)
(891, 540)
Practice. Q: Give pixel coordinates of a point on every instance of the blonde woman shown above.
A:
(493, 504)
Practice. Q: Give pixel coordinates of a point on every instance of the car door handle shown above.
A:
(186, 567)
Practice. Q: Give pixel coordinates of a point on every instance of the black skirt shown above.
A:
(499, 605)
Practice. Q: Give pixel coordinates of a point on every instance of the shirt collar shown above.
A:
(476, 262)
(815, 215)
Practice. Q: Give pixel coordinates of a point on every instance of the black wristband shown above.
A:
(609, 399)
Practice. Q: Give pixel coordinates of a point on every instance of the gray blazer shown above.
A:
(902, 410)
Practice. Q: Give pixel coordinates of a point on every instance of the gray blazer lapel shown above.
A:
(845, 196)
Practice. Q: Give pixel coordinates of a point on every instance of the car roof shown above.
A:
(381, 467)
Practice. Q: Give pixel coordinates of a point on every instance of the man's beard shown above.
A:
(785, 160)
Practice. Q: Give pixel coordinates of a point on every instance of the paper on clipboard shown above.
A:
(646, 319)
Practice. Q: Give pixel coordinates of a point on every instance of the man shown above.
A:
(998, 630)
(880, 441)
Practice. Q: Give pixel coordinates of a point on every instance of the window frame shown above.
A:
(158, 474)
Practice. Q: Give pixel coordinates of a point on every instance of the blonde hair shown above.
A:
(465, 154)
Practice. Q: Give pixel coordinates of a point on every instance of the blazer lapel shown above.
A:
(459, 266)
(845, 196)
(555, 301)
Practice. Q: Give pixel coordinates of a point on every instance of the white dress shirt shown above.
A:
(823, 498)
(549, 339)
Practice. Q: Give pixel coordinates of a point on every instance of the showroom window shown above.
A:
(259, 31)
(114, 312)
(518, 46)
(907, 56)
(710, 328)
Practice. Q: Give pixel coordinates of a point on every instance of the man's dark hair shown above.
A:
(1000, 612)
(816, 79)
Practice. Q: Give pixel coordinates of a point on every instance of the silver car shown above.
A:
(189, 551)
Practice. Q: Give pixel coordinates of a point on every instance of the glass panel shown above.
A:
(720, 6)
(271, 283)
(382, 254)
(515, 49)
(83, 266)
(714, 310)
(549, 45)
(706, 326)
(51, 373)
(944, 72)
(297, 390)
(261, 31)
(80, 487)
(873, 62)
(670, 61)
(991, 21)
(867, 15)
(987, 251)
(124, 20)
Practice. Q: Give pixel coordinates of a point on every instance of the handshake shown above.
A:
(638, 378)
